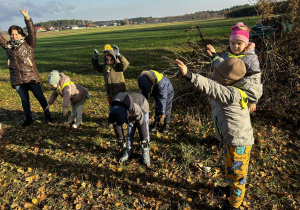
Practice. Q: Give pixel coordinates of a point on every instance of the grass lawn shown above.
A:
(51, 166)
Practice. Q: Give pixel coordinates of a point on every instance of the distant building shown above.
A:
(51, 28)
(74, 27)
(40, 29)
(66, 27)
(82, 26)
(90, 25)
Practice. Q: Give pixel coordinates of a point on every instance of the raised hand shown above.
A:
(24, 12)
(210, 50)
(116, 50)
(96, 53)
(182, 66)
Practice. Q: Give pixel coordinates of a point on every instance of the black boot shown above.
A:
(28, 121)
(155, 126)
(165, 128)
(220, 191)
(48, 117)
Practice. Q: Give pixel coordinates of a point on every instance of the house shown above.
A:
(66, 27)
(90, 25)
(40, 29)
(51, 28)
(82, 26)
(74, 27)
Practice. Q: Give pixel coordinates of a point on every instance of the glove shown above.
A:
(96, 53)
(116, 50)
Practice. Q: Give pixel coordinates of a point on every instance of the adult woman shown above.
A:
(24, 75)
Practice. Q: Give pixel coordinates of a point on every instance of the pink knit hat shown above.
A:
(240, 32)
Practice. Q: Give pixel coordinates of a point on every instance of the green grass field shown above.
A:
(54, 167)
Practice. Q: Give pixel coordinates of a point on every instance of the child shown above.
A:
(71, 92)
(112, 70)
(160, 88)
(240, 47)
(231, 120)
(131, 108)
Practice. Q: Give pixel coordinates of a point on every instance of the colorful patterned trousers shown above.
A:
(236, 169)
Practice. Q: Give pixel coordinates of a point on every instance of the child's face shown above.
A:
(54, 86)
(237, 46)
(109, 60)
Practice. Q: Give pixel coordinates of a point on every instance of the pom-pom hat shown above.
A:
(240, 32)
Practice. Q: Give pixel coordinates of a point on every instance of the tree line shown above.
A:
(141, 20)
(61, 23)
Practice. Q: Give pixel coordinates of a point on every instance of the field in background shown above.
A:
(54, 167)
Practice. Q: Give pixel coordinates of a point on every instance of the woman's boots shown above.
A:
(28, 121)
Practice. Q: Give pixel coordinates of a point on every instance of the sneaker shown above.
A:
(71, 121)
(165, 128)
(77, 123)
(154, 127)
(126, 155)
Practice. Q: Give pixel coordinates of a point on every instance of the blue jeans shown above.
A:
(37, 91)
(131, 127)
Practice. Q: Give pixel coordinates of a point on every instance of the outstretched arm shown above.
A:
(24, 12)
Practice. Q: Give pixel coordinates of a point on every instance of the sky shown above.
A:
(102, 10)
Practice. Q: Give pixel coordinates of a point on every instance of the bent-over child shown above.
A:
(131, 108)
(71, 92)
(231, 120)
(161, 89)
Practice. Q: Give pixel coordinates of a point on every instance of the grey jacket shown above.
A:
(252, 67)
(249, 58)
(137, 106)
(232, 123)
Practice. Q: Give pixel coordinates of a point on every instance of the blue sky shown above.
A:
(44, 10)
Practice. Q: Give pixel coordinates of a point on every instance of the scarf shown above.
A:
(13, 44)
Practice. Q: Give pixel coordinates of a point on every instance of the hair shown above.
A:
(18, 28)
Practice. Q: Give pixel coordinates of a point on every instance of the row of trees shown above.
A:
(140, 20)
(61, 23)
(264, 8)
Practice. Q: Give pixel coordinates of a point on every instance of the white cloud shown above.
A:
(9, 11)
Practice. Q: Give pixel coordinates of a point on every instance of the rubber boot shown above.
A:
(155, 126)
(126, 155)
(145, 152)
(72, 120)
(48, 117)
(28, 121)
(165, 128)
(77, 123)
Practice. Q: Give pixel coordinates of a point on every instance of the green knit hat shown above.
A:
(53, 77)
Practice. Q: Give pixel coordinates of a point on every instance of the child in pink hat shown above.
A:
(240, 47)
